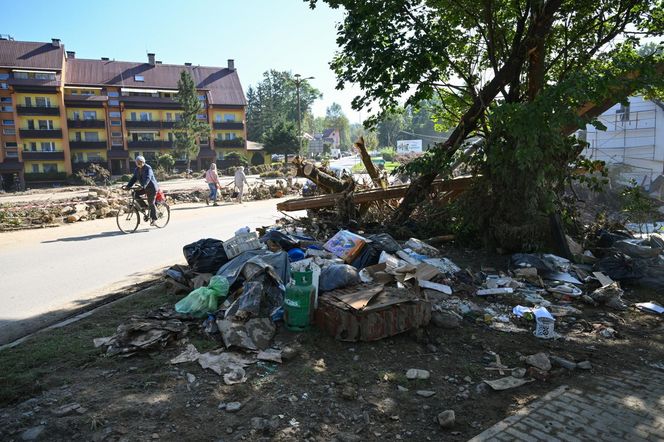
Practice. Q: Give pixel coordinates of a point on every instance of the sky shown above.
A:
(258, 34)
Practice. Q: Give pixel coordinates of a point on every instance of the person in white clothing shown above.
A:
(212, 180)
(240, 181)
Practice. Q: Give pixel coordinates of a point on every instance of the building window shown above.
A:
(89, 115)
(170, 136)
(77, 157)
(116, 134)
(50, 167)
(11, 144)
(35, 168)
(11, 154)
(138, 78)
(77, 136)
(217, 118)
(32, 147)
(4, 76)
(91, 136)
(178, 116)
(201, 116)
(201, 97)
(229, 117)
(31, 124)
(113, 94)
(114, 102)
(43, 102)
(28, 101)
(145, 116)
(5, 99)
(6, 109)
(76, 115)
(48, 146)
(116, 142)
(21, 75)
(45, 124)
(114, 114)
(169, 116)
(4, 86)
(9, 131)
(87, 93)
(150, 156)
(116, 122)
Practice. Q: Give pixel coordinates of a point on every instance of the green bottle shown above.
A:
(298, 302)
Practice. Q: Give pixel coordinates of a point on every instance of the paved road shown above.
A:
(626, 406)
(45, 274)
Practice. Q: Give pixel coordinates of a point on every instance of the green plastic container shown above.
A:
(299, 301)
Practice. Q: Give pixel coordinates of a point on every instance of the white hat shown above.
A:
(140, 158)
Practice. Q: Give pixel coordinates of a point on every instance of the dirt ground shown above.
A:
(328, 390)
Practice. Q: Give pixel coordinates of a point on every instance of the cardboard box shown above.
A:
(370, 312)
(345, 245)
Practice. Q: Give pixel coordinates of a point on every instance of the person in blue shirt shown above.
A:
(145, 177)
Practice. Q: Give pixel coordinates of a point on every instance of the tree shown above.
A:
(390, 127)
(335, 119)
(282, 139)
(165, 161)
(274, 99)
(189, 127)
(515, 73)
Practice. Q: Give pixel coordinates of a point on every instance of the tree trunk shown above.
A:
(538, 29)
(326, 182)
(369, 165)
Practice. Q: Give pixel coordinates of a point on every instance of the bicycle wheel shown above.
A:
(163, 215)
(128, 221)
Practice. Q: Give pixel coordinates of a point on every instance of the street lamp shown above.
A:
(298, 81)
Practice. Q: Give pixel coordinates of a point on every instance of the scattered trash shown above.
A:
(610, 295)
(496, 291)
(271, 355)
(204, 300)
(540, 361)
(142, 335)
(650, 307)
(446, 289)
(225, 363)
(243, 241)
(338, 276)
(255, 334)
(345, 245)
(189, 355)
(506, 383)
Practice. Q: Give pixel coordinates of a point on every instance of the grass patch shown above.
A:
(46, 359)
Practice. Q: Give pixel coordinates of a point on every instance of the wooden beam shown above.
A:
(454, 185)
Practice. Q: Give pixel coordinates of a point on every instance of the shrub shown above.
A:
(388, 153)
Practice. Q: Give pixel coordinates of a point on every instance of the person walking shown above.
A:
(212, 180)
(149, 186)
(240, 181)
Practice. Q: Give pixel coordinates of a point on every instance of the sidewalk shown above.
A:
(625, 407)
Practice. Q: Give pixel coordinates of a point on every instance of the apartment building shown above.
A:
(59, 113)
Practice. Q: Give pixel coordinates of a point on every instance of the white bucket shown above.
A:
(544, 328)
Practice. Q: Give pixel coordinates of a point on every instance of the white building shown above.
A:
(633, 142)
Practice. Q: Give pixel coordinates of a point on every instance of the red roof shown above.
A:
(223, 84)
(28, 54)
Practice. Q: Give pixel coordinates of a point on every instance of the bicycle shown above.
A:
(129, 218)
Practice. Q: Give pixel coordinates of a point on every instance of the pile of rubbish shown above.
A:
(358, 287)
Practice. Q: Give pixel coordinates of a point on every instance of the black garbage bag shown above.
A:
(525, 260)
(285, 241)
(371, 251)
(606, 239)
(205, 255)
(621, 267)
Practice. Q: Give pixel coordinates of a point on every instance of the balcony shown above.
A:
(167, 124)
(86, 124)
(37, 110)
(137, 124)
(117, 152)
(154, 144)
(88, 145)
(40, 133)
(42, 155)
(238, 142)
(229, 125)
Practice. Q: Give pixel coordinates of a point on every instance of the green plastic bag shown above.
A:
(204, 300)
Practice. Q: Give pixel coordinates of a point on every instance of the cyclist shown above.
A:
(145, 177)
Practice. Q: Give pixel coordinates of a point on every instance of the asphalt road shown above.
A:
(47, 274)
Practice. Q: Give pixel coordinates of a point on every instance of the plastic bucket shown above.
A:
(544, 328)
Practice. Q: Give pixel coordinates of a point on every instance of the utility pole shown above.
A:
(298, 81)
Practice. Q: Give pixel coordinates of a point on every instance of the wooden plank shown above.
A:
(455, 186)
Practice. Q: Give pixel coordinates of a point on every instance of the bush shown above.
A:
(388, 153)
(272, 174)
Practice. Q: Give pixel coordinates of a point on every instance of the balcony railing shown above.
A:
(238, 142)
(86, 124)
(154, 144)
(42, 155)
(46, 176)
(40, 133)
(230, 125)
(133, 124)
(88, 144)
(37, 110)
